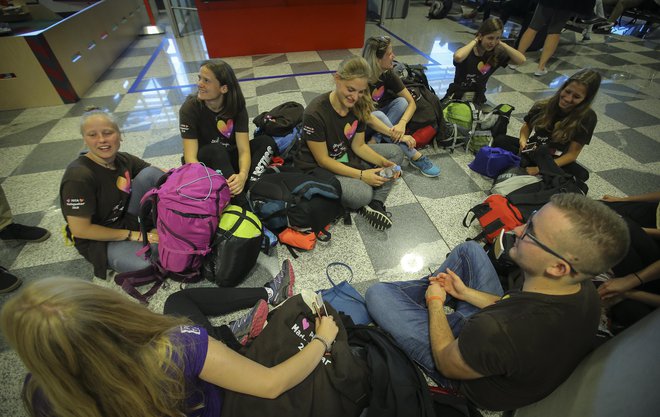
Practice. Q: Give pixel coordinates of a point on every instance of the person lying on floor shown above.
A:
(504, 351)
(92, 352)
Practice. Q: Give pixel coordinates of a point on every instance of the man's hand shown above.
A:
(435, 290)
(451, 283)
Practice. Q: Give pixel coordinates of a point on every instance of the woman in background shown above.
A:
(214, 127)
(478, 60)
(394, 103)
(564, 123)
(333, 139)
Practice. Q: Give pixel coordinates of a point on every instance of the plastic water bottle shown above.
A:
(388, 172)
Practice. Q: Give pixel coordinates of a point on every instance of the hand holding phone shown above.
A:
(319, 306)
(529, 147)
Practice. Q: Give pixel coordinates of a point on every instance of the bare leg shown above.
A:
(526, 40)
(549, 48)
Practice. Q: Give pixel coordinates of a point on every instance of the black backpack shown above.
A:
(304, 201)
(412, 75)
(281, 120)
(428, 112)
(554, 181)
(440, 9)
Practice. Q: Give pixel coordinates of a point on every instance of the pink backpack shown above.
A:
(185, 207)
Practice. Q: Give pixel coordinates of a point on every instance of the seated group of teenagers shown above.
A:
(91, 351)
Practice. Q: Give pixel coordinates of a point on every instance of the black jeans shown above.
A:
(511, 143)
(199, 303)
(225, 159)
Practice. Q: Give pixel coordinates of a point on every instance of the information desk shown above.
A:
(47, 63)
(253, 27)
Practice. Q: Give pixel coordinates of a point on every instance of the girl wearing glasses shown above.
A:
(214, 127)
(394, 103)
(333, 139)
(478, 60)
(564, 123)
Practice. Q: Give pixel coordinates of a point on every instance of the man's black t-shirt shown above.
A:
(386, 89)
(543, 136)
(321, 123)
(527, 344)
(197, 121)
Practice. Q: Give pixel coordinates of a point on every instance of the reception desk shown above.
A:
(57, 64)
(253, 27)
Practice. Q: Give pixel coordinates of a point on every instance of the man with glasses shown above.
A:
(504, 351)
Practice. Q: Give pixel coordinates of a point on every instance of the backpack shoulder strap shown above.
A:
(131, 281)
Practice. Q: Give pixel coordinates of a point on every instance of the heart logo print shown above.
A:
(377, 94)
(226, 129)
(349, 130)
(483, 68)
(124, 183)
(305, 324)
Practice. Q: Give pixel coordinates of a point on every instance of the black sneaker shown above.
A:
(8, 282)
(282, 284)
(250, 325)
(17, 231)
(376, 215)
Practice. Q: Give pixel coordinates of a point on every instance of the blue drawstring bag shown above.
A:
(345, 298)
(491, 161)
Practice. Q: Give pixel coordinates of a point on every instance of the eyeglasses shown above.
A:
(529, 230)
(382, 42)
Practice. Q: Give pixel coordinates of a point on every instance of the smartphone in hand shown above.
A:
(529, 147)
(319, 306)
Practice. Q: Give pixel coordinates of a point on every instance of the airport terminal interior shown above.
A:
(147, 84)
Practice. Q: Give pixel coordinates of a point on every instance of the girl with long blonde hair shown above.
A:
(333, 139)
(395, 105)
(93, 353)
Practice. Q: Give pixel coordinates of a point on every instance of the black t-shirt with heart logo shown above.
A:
(321, 123)
(197, 121)
(386, 89)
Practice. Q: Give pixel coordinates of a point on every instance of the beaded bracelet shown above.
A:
(320, 339)
(360, 175)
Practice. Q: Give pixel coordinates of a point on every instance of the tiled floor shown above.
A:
(146, 86)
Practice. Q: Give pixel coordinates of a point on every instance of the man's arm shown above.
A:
(444, 347)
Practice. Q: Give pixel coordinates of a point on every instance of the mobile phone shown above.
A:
(529, 147)
(319, 306)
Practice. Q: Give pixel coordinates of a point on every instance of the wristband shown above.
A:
(322, 340)
(639, 278)
(433, 297)
(129, 235)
